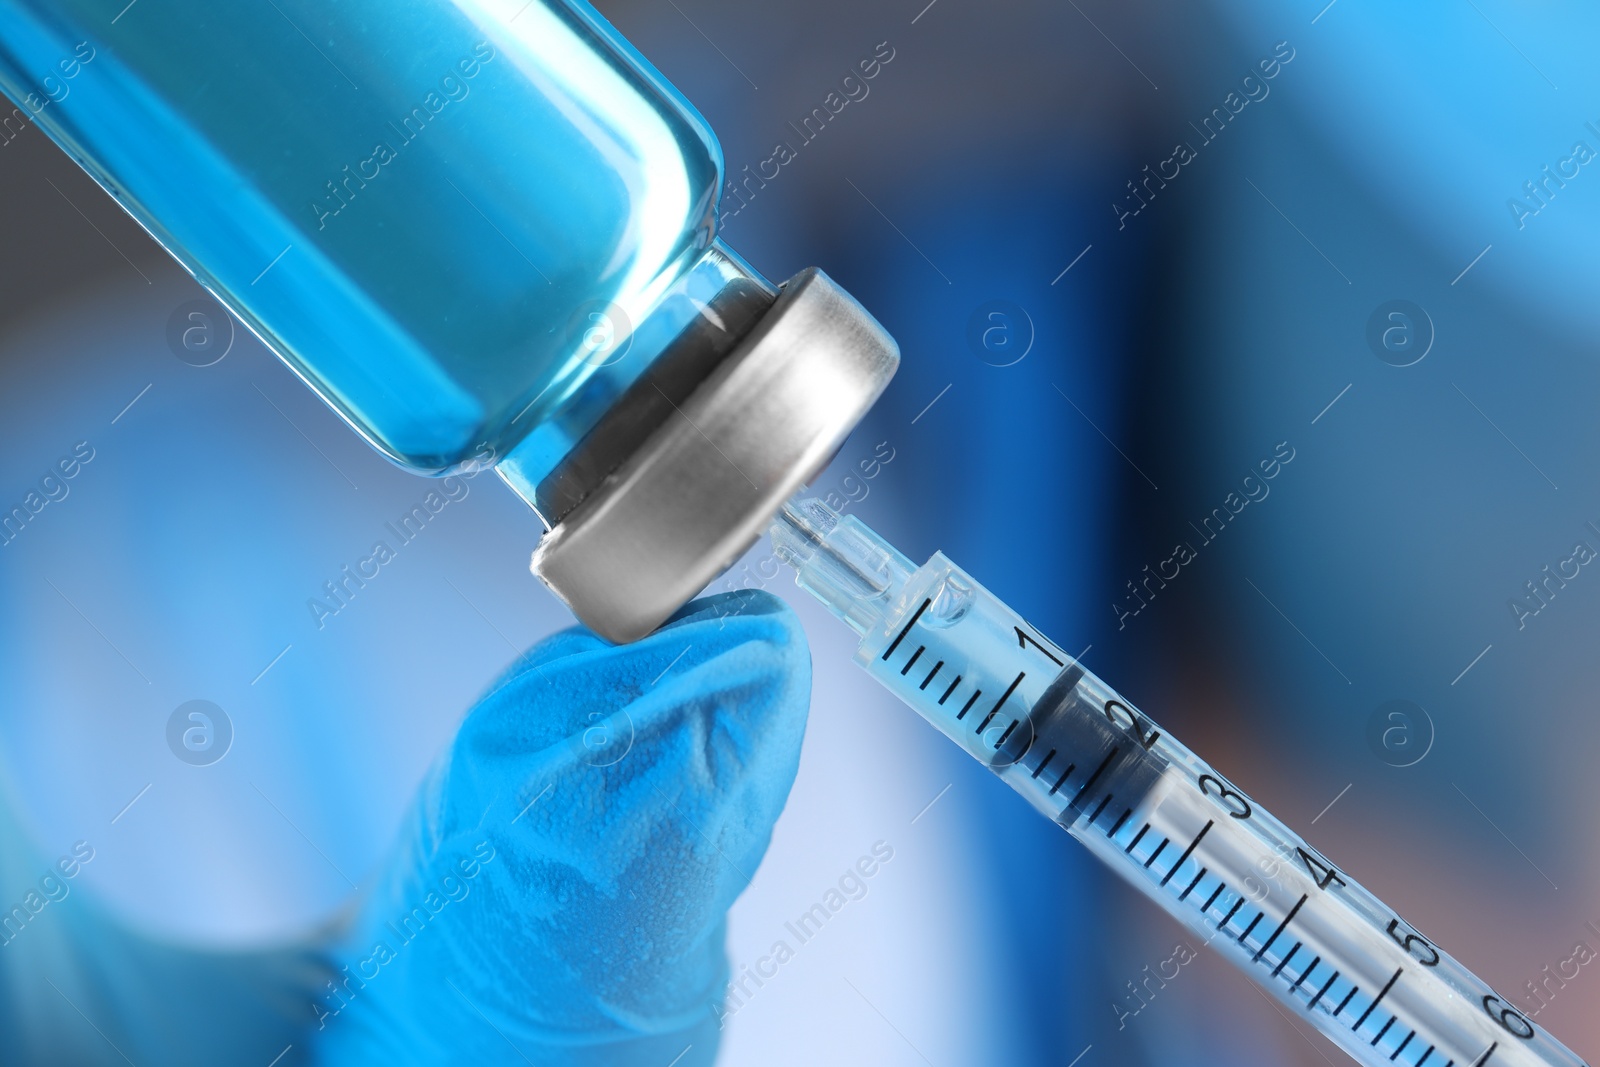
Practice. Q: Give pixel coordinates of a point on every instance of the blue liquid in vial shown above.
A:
(417, 204)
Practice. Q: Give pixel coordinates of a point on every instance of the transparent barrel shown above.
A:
(1165, 820)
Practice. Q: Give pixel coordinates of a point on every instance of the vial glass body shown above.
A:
(448, 216)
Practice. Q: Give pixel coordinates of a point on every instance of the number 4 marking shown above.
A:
(1320, 869)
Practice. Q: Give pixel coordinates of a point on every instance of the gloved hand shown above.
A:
(558, 897)
(561, 896)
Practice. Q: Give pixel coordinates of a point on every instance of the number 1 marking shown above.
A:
(1025, 639)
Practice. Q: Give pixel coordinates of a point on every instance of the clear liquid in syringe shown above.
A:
(1149, 808)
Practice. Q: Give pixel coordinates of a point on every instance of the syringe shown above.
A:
(1152, 810)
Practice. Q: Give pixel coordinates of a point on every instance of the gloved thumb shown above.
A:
(559, 897)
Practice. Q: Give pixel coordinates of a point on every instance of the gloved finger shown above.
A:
(560, 895)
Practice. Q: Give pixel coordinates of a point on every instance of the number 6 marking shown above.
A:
(1509, 1018)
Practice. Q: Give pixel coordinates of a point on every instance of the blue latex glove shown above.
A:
(592, 929)
(558, 898)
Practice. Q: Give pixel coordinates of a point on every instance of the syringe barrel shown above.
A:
(1183, 834)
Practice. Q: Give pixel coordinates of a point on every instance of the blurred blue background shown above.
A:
(1175, 331)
